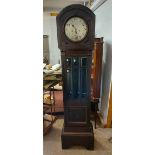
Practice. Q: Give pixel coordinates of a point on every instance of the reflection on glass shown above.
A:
(69, 92)
(75, 61)
(83, 81)
(68, 62)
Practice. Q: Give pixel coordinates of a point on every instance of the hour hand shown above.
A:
(75, 30)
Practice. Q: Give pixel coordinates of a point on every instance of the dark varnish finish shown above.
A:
(76, 68)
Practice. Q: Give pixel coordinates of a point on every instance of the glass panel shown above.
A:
(69, 92)
(75, 61)
(83, 81)
(68, 62)
(75, 79)
(83, 62)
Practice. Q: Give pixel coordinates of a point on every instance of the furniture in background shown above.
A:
(45, 49)
(48, 106)
(58, 95)
(50, 82)
(96, 75)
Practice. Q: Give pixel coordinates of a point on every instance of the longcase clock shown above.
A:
(75, 32)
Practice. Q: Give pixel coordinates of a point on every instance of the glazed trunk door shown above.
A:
(76, 90)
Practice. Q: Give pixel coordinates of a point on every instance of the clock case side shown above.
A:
(75, 10)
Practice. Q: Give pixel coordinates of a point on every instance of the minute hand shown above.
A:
(75, 30)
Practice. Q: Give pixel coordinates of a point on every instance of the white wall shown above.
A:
(50, 29)
(103, 28)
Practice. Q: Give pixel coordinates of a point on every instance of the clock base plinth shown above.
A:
(69, 139)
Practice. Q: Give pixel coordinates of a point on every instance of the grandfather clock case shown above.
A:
(75, 32)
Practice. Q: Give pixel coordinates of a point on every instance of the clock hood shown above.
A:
(75, 10)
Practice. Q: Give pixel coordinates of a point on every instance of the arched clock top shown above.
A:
(76, 28)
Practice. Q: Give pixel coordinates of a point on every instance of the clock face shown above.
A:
(76, 29)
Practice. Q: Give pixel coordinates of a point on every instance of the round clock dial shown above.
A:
(76, 29)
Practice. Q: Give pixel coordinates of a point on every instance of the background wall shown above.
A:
(103, 28)
(50, 29)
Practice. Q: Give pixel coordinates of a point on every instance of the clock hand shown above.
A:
(75, 30)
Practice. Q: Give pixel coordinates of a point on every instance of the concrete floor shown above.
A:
(52, 142)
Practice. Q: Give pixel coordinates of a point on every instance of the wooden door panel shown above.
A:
(77, 116)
